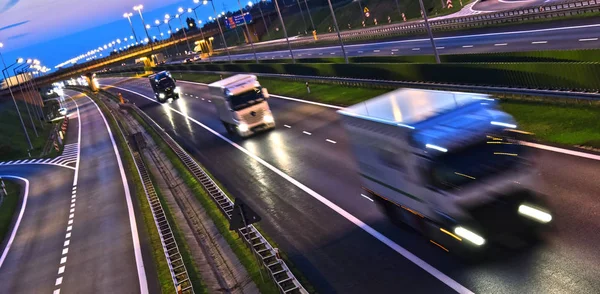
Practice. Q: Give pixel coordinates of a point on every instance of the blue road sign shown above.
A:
(236, 20)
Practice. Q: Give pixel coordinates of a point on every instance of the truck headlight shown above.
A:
(161, 95)
(177, 90)
(468, 235)
(243, 127)
(268, 118)
(534, 213)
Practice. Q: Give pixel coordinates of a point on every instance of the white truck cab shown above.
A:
(447, 164)
(241, 103)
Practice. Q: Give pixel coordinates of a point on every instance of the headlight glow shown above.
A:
(177, 90)
(161, 95)
(243, 127)
(535, 213)
(468, 235)
(268, 118)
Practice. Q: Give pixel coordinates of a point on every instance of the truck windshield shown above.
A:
(455, 170)
(243, 100)
(164, 80)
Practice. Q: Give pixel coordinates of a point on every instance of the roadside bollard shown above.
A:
(389, 19)
(375, 21)
(121, 98)
(307, 88)
(3, 186)
(363, 23)
(277, 253)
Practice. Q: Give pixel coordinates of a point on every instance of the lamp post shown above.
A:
(139, 8)
(128, 15)
(180, 10)
(285, 31)
(263, 17)
(29, 92)
(200, 27)
(20, 60)
(337, 29)
(309, 16)
(219, 24)
(435, 52)
(15, 70)
(248, 31)
(168, 20)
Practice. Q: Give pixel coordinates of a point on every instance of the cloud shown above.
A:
(13, 25)
(17, 36)
(9, 5)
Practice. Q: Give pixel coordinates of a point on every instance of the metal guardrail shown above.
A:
(278, 270)
(177, 268)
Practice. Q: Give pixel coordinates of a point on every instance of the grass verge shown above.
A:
(163, 272)
(13, 143)
(243, 253)
(556, 123)
(8, 206)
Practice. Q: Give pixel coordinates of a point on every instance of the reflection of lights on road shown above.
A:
(183, 108)
(169, 114)
(277, 145)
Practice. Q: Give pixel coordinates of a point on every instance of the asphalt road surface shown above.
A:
(75, 235)
(296, 179)
(574, 34)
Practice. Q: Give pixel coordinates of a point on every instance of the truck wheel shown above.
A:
(229, 128)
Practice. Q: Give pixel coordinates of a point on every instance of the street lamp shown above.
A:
(24, 94)
(139, 8)
(219, 24)
(28, 93)
(248, 31)
(435, 52)
(263, 17)
(285, 31)
(180, 10)
(128, 15)
(200, 27)
(337, 29)
(20, 60)
(168, 20)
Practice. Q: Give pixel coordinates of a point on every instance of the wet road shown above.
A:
(297, 182)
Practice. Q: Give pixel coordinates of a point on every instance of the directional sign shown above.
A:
(236, 20)
(242, 216)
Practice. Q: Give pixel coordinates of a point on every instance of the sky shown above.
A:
(54, 31)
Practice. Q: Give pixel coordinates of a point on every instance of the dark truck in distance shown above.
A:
(164, 87)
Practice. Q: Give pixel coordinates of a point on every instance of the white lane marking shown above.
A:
(306, 101)
(588, 39)
(69, 228)
(67, 243)
(132, 222)
(289, 127)
(376, 51)
(394, 50)
(58, 281)
(76, 177)
(68, 235)
(63, 260)
(57, 291)
(562, 150)
(208, 101)
(61, 269)
(440, 48)
(416, 49)
(73, 199)
(71, 215)
(320, 53)
(70, 222)
(19, 218)
(391, 244)
(367, 197)
(539, 42)
(72, 205)
(72, 210)
(183, 81)
(65, 251)
(467, 46)
(360, 52)
(307, 133)
(332, 53)
(331, 141)
(501, 44)
(74, 188)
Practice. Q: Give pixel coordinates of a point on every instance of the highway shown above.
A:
(78, 232)
(302, 180)
(573, 34)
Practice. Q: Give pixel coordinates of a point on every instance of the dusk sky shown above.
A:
(54, 31)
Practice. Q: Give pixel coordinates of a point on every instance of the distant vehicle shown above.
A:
(159, 58)
(165, 89)
(188, 60)
(447, 164)
(197, 57)
(62, 111)
(242, 106)
(123, 64)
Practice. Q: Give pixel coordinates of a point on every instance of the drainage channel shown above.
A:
(278, 270)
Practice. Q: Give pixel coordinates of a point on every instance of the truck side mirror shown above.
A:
(265, 93)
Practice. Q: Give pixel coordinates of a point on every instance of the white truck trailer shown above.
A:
(448, 165)
(242, 106)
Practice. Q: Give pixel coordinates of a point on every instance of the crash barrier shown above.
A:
(268, 255)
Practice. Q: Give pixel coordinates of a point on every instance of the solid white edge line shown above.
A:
(132, 222)
(588, 39)
(331, 141)
(407, 254)
(539, 146)
(19, 218)
(501, 44)
(539, 42)
(76, 177)
(368, 198)
(307, 133)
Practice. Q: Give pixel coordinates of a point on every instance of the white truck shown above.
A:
(242, 105)
(449, 165)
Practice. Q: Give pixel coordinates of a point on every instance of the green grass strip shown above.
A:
(8, 207)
